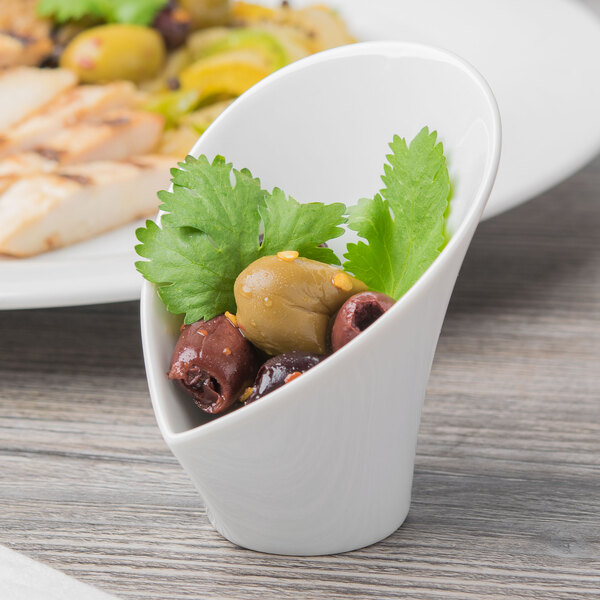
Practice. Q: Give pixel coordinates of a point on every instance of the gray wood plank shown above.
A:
(506, 500)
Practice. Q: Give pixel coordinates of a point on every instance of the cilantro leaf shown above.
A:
(294, 226)
(404, 223)
(204, 198)
(185, 264)
(138, 12)
(210, 233)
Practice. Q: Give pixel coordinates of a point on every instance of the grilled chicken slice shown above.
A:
(20, 165)
(24, 37)
(77, 104)
(52, 210)
(26, 163)
(120, 134)
(25, 90)
(16, 50)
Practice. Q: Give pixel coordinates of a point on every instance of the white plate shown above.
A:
(539, 56)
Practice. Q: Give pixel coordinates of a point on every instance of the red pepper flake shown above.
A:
(182, 327)
(226, 351)
(202, 332)
(292, 376)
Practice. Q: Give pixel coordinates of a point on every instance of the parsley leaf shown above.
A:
(210, 233)
(403, 224)
(138, 12)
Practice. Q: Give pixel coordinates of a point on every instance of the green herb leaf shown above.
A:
(404, 224)
(66, 10)
(293, 226)
(210, 233)
(138, 12)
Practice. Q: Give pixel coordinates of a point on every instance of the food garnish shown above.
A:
(210, 259)
(210, 234)
(404, 224)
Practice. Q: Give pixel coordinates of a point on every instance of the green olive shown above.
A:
(112, 52)
(285, 303)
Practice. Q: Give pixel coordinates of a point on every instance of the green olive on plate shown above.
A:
(113, 52)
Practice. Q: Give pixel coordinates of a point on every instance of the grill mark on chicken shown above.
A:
(81, 179)
(117, 121)
(136, 163)
(25, 40)
(49, 153)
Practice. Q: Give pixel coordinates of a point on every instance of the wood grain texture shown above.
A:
(506, 499)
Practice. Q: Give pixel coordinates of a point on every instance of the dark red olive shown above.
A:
(214, 362)
(282, 369)
(356, 314)
(174, 24)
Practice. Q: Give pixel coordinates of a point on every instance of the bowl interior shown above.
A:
(320, 130)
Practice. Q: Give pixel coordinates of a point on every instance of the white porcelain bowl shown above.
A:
(325, 463)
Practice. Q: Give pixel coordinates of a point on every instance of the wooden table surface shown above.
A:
(506, 497)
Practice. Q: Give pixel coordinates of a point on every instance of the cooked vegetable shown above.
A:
(200, 119)
(286, 303)
(168, 77)
(112, 52)
(322, 27)
(247, 12)
(267, 46)
(318, 27)
(173, 105)
(225, 75)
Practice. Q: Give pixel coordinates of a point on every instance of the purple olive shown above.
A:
(214, 362)
(282, 369)
(174, 24)
(356, 314)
